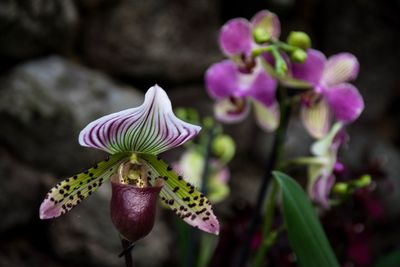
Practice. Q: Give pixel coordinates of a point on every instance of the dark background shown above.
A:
(64, 63)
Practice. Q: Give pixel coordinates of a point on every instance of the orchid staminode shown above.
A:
(332, 97)
(133, 138)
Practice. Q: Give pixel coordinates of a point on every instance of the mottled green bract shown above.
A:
(70, 192)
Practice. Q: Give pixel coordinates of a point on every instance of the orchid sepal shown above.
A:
(150, 128)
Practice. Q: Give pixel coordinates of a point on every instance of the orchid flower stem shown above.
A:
(127, 249)
(274, 159)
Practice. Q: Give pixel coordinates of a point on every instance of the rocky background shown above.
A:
(64, 63)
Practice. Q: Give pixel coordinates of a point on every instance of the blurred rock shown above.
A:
(22, 253)
(19, 191)
(45, 103)
(32, 28)
(86, 236)
(172, 40)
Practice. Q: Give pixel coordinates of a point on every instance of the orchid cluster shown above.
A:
(260, 70)
(261, 73)
(134, 138)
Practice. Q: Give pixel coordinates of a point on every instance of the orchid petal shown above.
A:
(321, 189)
(267, 117)
(231, 110)
(183, 198)
(345, 101)
(235, 37)
(323, 146)
(340, 68)
(70, 192)
(262, 88)
(316, 118)
(268, 22)
(311, 70)
(150, 128)
(222, 79)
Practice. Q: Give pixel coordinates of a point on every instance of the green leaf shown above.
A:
(391, 259)
(305, 232)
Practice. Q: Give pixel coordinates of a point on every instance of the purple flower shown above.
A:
(236, 36)
(332, 97)
(234, 90)
(133, 138)
(321, 167)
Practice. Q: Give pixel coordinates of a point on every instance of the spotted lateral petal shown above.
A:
(182, 197)
(70, 192)
(150, 128)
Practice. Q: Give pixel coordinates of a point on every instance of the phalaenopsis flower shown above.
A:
(133, 138)
(332, 97)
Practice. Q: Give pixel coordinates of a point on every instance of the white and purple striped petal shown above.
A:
(235, 37)
(345, 101)
(268, 22)
(340, 68)
(150, 128)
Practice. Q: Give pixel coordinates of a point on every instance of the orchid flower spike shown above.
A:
(133, 138)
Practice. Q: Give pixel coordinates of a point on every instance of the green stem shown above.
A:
(269, 236)
(274, 160)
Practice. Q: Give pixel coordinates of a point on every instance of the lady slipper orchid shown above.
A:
(332, 97)
(133, 138)
(234, 90)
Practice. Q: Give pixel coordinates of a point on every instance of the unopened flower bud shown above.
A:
(340, 188)
(260, 35)
(299, 39)
(298, 56)
(363, 181)
(224, 147)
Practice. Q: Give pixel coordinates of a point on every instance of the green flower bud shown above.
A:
(260, 35)
(363, 181)
(298, 56)
(299, 39)
(224, 147)
(340, 188)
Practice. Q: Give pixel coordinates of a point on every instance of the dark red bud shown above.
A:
(133, 209)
